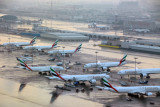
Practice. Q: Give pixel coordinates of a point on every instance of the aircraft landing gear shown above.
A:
(134, 95)
(45, 73)
(40, 73)
(148, 76)
(121, 77)
(158, 93)
(140, 96)
(130, 94)
(108, 70)
(141, 76)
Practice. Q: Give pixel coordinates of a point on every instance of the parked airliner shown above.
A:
(106, 65)
(142, 72)
(64, 52)
(132, 90)
(92, 78)
(40, 48)
(20, 44)
(40, 69)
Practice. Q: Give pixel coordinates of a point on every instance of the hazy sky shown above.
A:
(66, 1)
(32, 3)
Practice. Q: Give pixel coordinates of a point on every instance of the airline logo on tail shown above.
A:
(78, 48)
(56, 74)
(55, 43)
(107, 84)
(33, 40)
(23, 63)
(123, 60)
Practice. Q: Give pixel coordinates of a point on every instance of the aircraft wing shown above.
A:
(137, 92)
(51, 77)
(17, 45)
(99, 87)
(64, 74)
(99, 65)
(22, 67)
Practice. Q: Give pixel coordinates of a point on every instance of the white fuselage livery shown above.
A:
(143, 72)
(39, 48)
(45, 68)
(17, 44)
(26, 58)
(87, 77)
(143, 90)
(61, 52)
(104, 65)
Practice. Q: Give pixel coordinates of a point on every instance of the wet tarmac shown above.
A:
(24, 88)
(15, 94)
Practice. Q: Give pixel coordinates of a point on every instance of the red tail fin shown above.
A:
(33, 40)
(55, 43)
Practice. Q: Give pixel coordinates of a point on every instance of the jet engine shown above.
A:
(104, 68)
(148, 94)
(143, 75)
(93, 81)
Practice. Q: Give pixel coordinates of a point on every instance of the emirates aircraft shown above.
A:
(142, 72)
(64, 52)
(40, 69)
(40, 48)
(20, 44)
(92, 78)
(106, 65)
(132, 90)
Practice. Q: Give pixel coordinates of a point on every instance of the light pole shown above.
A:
(96, 58)
(9, 42)
(135, 66)
(63, 56)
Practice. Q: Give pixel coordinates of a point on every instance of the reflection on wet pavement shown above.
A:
(22, 95)
(55, 95)
(21, 87)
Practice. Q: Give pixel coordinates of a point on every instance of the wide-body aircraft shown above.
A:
(106, 65)
(20, 44)
(92, 78)
(40, 69)
(132, 90)
(41, 48)
(64, 52)
(142, 72)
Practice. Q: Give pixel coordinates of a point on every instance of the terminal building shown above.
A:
(152, 46)
(65, 36)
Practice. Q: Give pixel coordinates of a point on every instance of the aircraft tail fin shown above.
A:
(123, 59)
(56, 74)
(55, 44)
(107, 84)
(78, 48)
(23, 63)
(33, 40)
